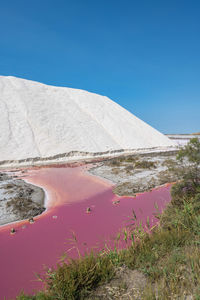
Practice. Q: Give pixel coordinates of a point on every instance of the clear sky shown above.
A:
(145, 55)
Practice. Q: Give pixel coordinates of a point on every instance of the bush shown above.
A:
(182, 192)
(145, 164)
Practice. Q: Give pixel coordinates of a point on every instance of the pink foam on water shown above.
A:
(70, 191)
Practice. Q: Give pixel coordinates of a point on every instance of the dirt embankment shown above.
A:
(135, 174)
(19, 200)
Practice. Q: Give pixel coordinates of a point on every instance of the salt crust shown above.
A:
(43, 123)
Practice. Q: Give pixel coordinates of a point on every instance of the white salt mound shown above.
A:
(38, 120)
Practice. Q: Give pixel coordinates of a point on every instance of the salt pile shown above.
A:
(41, 121)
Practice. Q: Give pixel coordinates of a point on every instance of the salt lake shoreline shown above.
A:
(95, 170)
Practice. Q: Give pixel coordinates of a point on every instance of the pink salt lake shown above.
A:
(70, 191)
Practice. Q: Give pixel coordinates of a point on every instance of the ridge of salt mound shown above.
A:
(39, 120)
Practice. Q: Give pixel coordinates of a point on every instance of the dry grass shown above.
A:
(145, 164)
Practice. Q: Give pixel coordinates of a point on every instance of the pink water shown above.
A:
(70, 191)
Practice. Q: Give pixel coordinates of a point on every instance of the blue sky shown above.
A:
(145, 55)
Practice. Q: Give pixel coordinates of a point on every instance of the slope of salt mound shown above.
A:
(38, 120)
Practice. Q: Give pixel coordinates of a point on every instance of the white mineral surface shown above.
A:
(41, 121)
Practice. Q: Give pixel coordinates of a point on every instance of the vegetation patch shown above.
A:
(128, 189)
(24, 207)
(145, 164)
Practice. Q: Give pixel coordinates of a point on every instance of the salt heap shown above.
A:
(41, 121)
